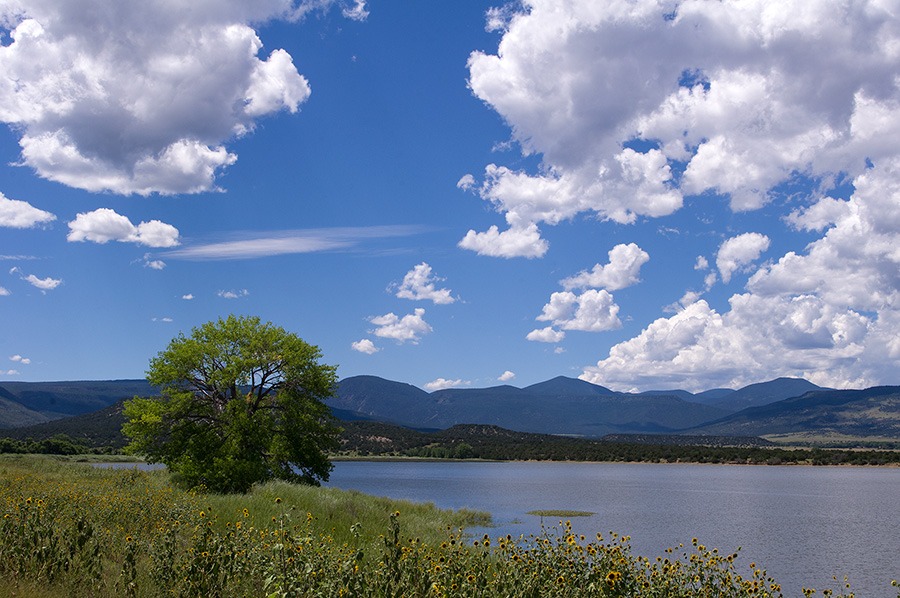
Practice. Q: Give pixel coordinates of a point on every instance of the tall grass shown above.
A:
(70, 530)
(87, 531)
(334, 512)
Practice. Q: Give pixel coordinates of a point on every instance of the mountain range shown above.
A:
(29, 403)
(561, 406)
(558, 406)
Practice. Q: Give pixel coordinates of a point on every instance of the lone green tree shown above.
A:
(242, 402)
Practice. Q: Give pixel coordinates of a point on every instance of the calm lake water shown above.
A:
(802, 524)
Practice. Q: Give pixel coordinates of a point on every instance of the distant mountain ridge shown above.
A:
(560, 406)
(763, 393)
(569, 406)
(871, 412)
(28, 403)
(562, 385)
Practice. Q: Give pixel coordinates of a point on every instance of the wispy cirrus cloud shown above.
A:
(250, 245)
(233, 294)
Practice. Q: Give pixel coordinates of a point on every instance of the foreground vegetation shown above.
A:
(72, 530)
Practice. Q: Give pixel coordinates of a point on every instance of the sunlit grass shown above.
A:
(336, 511)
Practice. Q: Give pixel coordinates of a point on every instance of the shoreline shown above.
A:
(404, 459)
(94, 459)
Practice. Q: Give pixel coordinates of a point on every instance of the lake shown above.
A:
(802, 524)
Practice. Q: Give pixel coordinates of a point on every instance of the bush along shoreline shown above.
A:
(72, 530)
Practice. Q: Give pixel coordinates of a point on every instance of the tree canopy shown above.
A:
(242, 402)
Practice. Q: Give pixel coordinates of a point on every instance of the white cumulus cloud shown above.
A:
(506, 376)
(830, 314)
(701, 264)
(141, 100)
(148, 262)
(364, 346)
(594, 309)
(743, 95)
(44, 284)
(441, 384)
(739, 251)
(591, 311)
(546, 335)
(515, 242)
(622, 271)
(20, 359)
(21, 214)
(410, 327)
(104, 225)
(466, 183)
(4, 292)
(418, 284)
(757, 339)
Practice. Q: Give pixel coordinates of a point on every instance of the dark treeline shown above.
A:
(365, 438)
(491, 442)
(58, 445)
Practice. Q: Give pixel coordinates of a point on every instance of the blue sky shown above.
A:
(643, 194)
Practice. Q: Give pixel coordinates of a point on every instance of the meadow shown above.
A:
(72, 530)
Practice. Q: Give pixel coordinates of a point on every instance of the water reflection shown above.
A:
(130, 465)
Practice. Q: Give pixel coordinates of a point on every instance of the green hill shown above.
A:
(25, 403)
(870, 413)
(97, 429)
(13, 414)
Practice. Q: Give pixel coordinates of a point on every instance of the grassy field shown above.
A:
(71, 530)
(801, 440)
